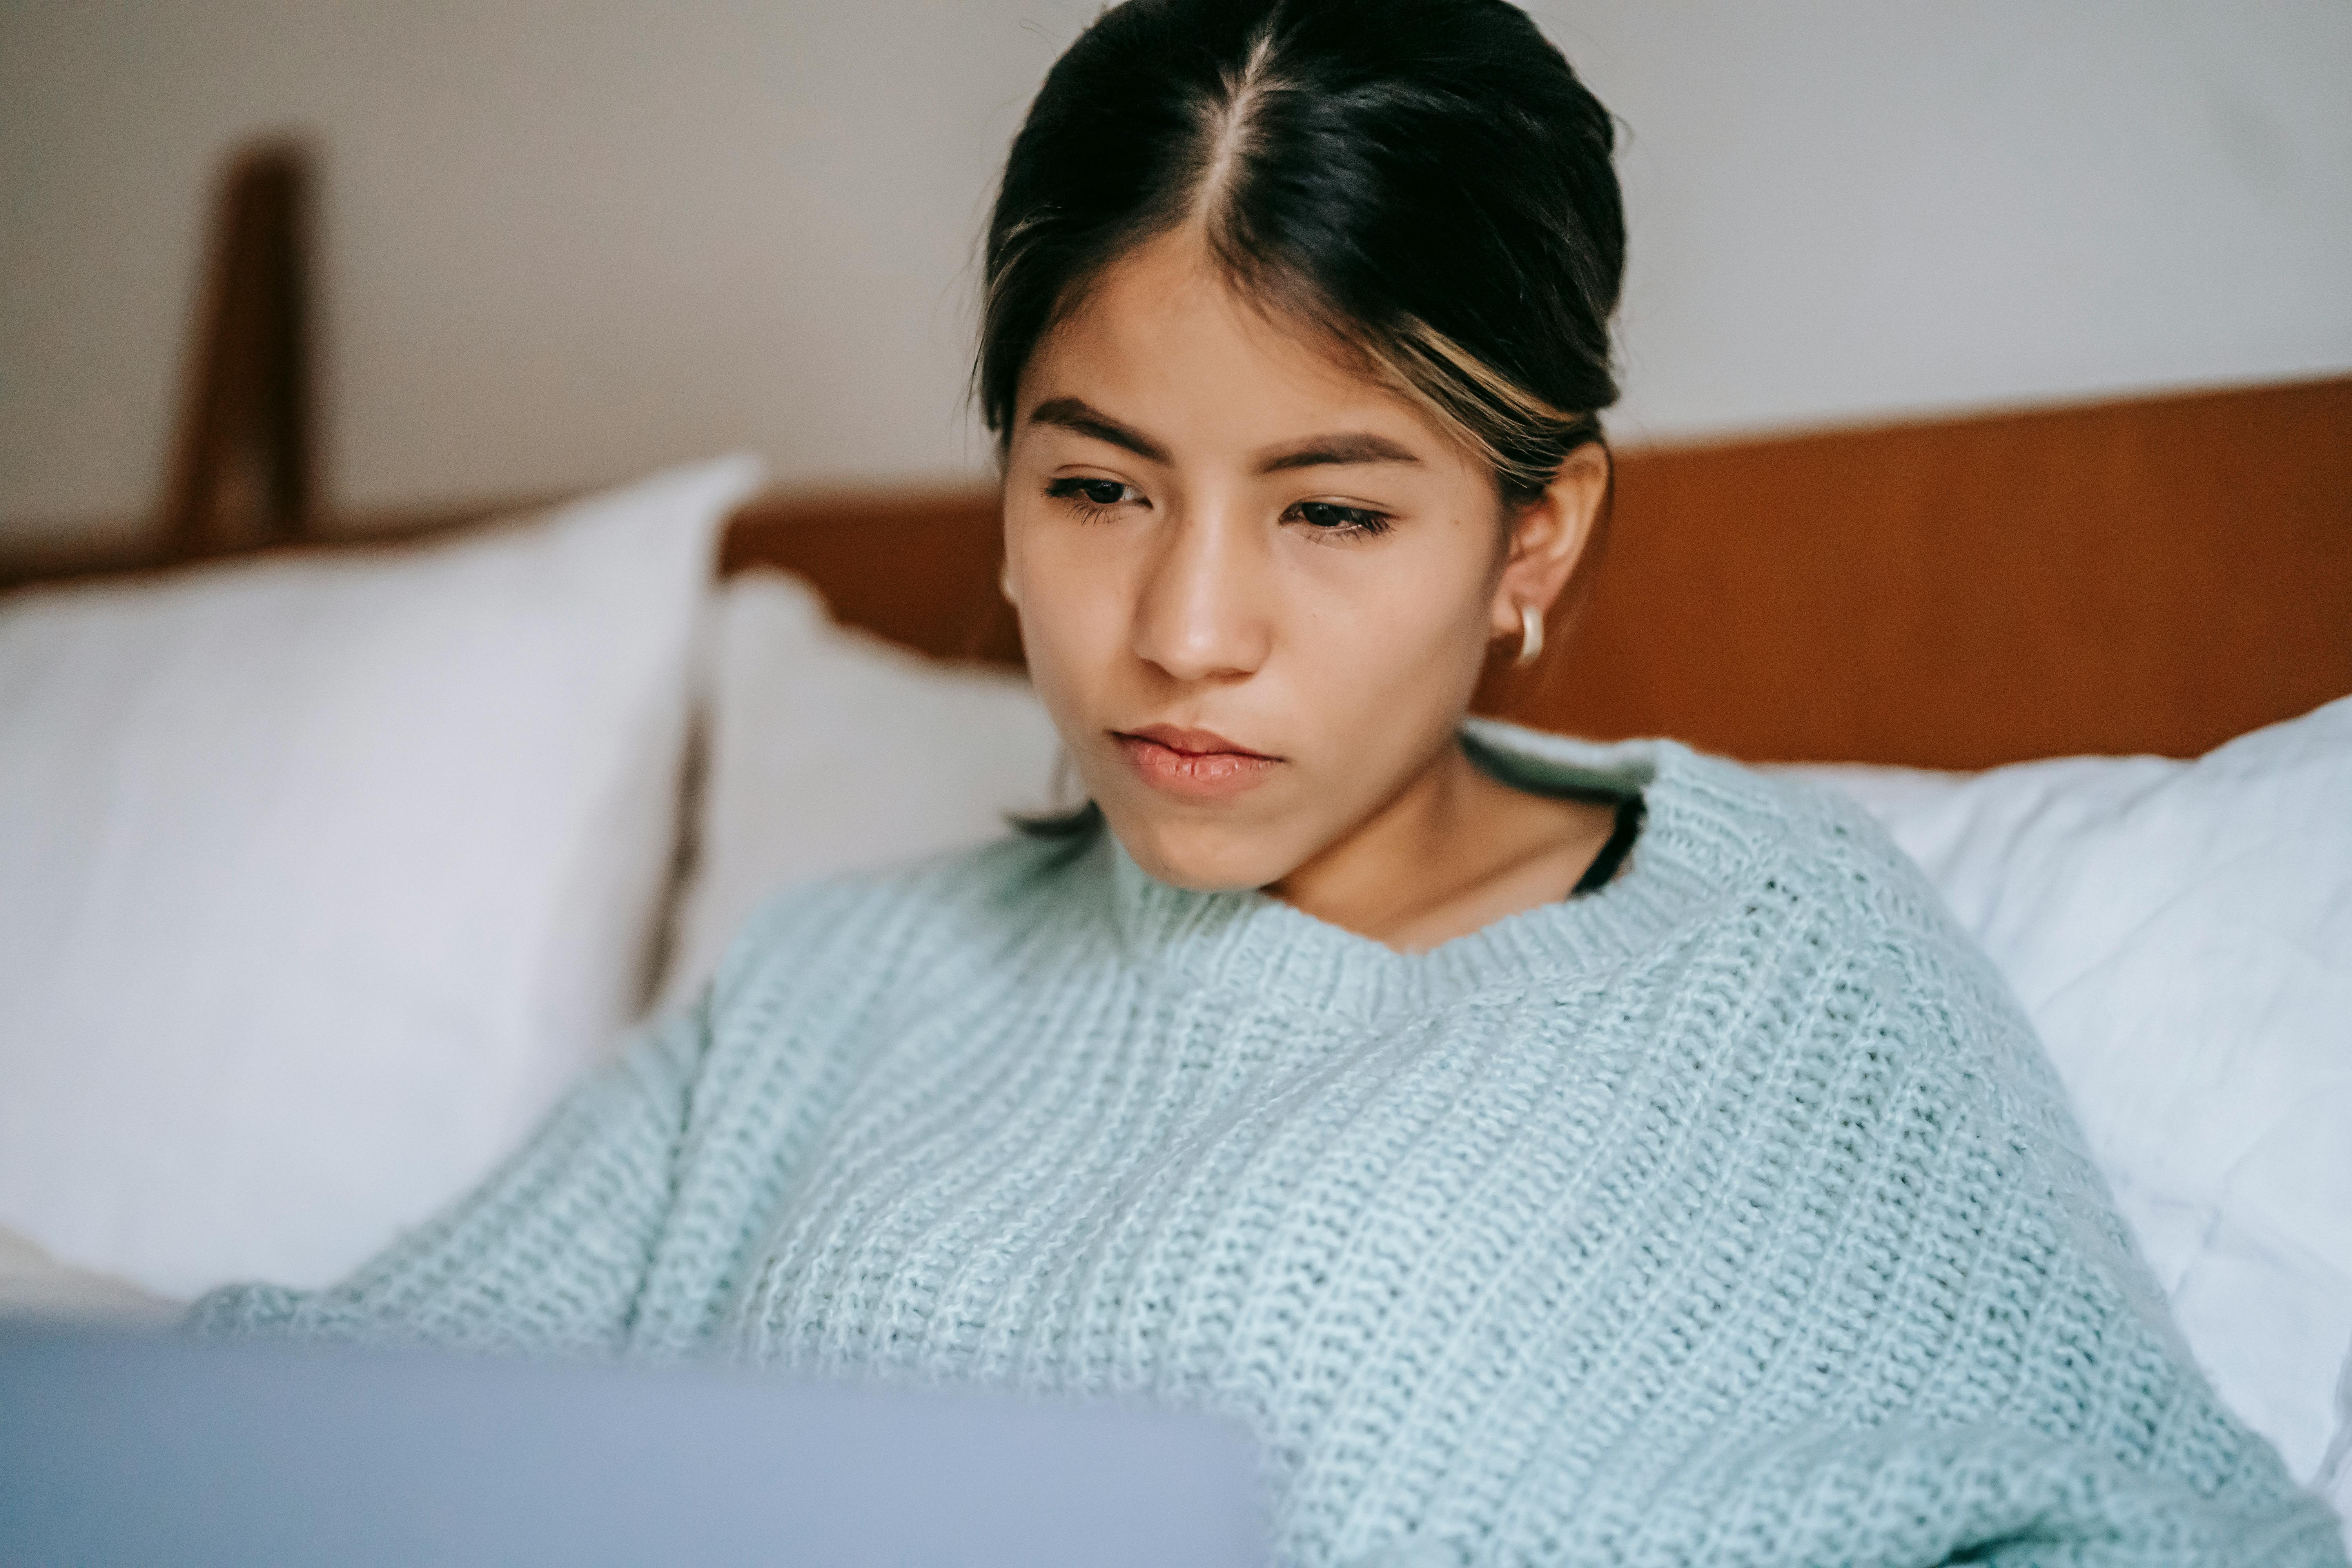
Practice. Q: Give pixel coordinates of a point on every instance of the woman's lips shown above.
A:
(1199, 764)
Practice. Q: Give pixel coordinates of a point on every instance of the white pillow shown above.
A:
(325, 873)
(2181, 935)
(831, 751)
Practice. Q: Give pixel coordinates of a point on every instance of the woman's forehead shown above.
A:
(1165, 347)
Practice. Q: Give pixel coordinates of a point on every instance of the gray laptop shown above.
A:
(119, 1448)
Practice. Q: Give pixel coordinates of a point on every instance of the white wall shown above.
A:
(1846, 211)
(566, 242)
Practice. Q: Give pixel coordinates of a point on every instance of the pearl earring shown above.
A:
(1532, 636)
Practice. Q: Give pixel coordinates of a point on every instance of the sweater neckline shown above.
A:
(1252, 942)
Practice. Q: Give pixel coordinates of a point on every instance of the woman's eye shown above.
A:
(1330, 516)
(1092, 492)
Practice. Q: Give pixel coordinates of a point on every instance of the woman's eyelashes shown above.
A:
(1095, 499)
(1334, 519)
(1092, 497)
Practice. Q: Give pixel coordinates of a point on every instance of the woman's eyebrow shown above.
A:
(1357, 446)
(1074, 413)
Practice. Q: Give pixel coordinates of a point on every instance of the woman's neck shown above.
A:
(1450, 853)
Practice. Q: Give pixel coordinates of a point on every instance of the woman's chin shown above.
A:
(1200, 856)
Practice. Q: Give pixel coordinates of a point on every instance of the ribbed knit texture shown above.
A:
(1729, 1215)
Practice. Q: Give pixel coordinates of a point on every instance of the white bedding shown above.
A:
(2180, 932)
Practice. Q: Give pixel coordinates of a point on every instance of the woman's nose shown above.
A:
(1202, 612)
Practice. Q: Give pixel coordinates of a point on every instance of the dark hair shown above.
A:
(1424, 181)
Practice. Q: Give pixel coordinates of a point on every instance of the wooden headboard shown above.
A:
(2151, 575)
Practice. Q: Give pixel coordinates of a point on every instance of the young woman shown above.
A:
(1558, 1153)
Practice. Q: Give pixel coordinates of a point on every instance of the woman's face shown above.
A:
(1255, 588)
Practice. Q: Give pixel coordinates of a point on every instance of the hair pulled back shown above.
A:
(1426, 182)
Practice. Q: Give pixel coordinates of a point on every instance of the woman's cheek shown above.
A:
(1073, 642)
(1402, 650)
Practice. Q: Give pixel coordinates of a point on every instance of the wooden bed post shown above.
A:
(242, 471)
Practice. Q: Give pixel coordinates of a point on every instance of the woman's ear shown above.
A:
(1549, 536)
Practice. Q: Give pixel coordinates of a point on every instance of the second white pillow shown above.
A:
(830, 750)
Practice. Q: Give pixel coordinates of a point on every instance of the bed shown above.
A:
(2089, 663)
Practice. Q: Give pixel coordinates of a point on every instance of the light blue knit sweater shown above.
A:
(1729, 1215)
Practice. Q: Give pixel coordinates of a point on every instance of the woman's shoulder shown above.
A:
(1726, 844)
(1806, 880)
(1783, 823)
(1726, 822)
(1771, 834)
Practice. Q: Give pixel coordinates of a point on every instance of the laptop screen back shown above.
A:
(125, 1449)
